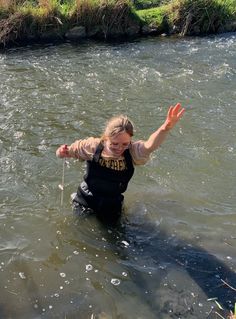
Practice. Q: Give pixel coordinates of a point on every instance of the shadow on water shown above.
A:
(27, 293)
(168, 277)
(173, 278)
(173, 264)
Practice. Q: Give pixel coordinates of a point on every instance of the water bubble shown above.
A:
(124, 274)
(162, 267)
(22, 275)
(115, 281)
(50, 306)
(125, 243)
(61, 187)
(89, 267)
(18, 134)
(75, 252)
(62, 274)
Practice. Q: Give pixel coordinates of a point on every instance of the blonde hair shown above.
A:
(118, 124)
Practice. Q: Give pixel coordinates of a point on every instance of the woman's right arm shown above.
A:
(80, 149)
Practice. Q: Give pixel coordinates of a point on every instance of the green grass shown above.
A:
(206, 16)
(19, 18)
(154, 16)
(146, 4)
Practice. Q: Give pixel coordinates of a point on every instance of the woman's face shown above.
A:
(117, 144)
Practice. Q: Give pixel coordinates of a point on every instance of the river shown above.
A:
(174, 253)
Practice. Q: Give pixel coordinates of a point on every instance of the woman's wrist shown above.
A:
(166, 127)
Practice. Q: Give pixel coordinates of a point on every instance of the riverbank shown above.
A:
(53, 20)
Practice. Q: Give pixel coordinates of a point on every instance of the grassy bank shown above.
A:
(193, 17)
(49, 20)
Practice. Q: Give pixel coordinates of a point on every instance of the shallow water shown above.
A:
(175, 248)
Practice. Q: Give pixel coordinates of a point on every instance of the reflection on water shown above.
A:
(174, 253)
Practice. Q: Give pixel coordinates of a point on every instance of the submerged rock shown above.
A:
(76, 33)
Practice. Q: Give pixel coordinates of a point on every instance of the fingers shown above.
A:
(176, 111)
(174, 114)
(170, 112)
(180, 114)
(58, 152)
(176, 108)
(62, 151)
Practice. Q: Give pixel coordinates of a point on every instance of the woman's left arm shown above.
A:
(157, 138)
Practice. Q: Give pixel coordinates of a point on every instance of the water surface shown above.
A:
(177, 242)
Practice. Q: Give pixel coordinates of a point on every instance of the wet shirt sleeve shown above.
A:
(138, 153)
(84, 149)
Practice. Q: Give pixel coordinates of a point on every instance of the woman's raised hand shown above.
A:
(62, 151)
(173, 116)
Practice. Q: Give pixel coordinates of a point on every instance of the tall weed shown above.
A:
(200, 16)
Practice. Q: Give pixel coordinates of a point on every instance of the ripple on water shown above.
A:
(54, 95)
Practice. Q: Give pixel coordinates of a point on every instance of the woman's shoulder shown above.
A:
(89, 145)
(93, 142)
(138, 152)
(84, 149)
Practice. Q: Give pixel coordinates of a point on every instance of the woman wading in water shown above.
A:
(110, 163)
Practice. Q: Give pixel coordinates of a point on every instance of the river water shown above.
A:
(174, 253)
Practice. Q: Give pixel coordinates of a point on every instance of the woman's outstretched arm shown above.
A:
(157, 138)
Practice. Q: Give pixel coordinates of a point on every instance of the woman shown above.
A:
(110, 163)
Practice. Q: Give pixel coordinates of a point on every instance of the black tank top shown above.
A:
(104, 185)
(108, 181)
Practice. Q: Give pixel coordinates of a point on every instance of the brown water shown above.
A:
(177, 241)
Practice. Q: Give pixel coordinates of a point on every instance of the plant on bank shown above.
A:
(156, 18)
(201, 16)
(23, 20)
(109, 16)
(191, 17)
(35, 19)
